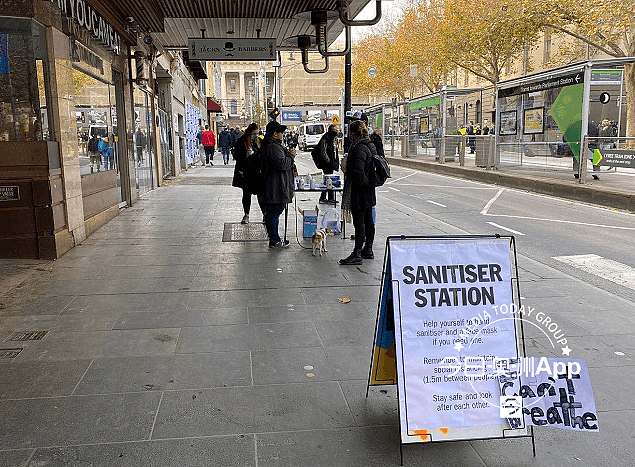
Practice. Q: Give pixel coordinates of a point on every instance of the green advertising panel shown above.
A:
(567, 113)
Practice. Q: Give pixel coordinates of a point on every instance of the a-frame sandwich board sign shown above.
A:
(446, 295)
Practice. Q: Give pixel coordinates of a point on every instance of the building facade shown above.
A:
(91, 118)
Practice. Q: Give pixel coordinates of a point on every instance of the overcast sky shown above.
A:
(388, 10)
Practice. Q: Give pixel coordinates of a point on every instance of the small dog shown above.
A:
(318, 240)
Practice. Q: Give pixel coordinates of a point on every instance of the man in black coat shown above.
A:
(277, 172)
(329, 160)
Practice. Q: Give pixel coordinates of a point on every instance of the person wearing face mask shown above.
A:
(247, 144)
(327, 159)
(359, 195)
(277, 174)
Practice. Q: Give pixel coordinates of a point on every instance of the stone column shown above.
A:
(62, 119)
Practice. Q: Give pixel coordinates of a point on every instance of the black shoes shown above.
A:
(596, 177)
(354, 258)
(367, 252)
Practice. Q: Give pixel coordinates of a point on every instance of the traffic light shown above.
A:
(274, 113)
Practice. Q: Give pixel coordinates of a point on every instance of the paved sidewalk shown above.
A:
(170, 347)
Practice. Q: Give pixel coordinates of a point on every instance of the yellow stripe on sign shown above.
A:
(597, 157)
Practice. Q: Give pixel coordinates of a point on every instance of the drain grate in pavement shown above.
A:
(9, 354)
(27, 336)
(237, 232)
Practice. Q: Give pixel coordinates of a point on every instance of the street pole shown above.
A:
(348, 79)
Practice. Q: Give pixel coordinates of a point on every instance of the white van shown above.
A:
(310, 133)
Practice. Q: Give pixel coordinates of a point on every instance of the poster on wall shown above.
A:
(424, 125)
(534, 121)
(508, 123)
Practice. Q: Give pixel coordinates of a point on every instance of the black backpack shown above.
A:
(318, 156)
(378, 170)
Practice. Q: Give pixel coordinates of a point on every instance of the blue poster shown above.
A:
(4, 54)
(291, 116)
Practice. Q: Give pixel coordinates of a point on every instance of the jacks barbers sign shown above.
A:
(86, 17)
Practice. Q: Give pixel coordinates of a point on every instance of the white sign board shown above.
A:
(551, 392)
(231, 49)
(446, 294)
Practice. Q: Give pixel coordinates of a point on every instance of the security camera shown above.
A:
(130, 19)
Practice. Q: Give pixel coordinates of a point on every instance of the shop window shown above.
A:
(22, 80)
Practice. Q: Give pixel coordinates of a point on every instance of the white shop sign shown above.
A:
(231, 49)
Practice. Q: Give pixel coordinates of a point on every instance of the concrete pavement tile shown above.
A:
(329, 311)
(69, 274)
(218, 298)
(181, 318)
(599, 351)
(348, 362)
(194, 284)
(22, 304)
(191, 259)
(380, 408)
(298, 365)
(99, 344)
(254, 409)
(134, 374)
(60, 421)
(247, 337)
(349, 332)
(316, 296)
(276, 296)
(612, 388)
(357, 447)
(15, 458)
(93, 320)
(226, 451)
(23, 380)
(611, 447)
(130, 302)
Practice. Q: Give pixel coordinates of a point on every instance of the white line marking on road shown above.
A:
(613, 271)
(391, 188)
(491, 201)
(401, 178)
(506, 228)
(383, 191)
(438, 204)
(562, 221)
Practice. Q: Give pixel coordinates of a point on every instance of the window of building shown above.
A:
(234, 107)
(466, 79)
(250, 85)
(547, 46)
(232, 85)
(23, 81)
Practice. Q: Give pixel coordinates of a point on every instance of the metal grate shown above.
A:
(27, 336)
(9, 354)
(237, 232)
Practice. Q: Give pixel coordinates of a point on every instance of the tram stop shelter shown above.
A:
(547, 120)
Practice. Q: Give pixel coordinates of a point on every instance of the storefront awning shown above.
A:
(212, 105)
(196, 67)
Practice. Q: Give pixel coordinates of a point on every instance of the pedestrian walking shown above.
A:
(225, 144)
(326, 158)
(93, 151)
(471, 141)
(236, 133)
(141, 141)
(106, 153)
(246, 146)
(359, 196)
(277, 173)
(208, 140)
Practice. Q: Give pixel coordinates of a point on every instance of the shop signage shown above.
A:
(543, 85)
(9, 193)
(291, 116)
(81, 54)
(606, 77)
(232, 49)
(86, 17)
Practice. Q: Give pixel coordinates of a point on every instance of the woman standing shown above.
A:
(359, 195)
(245, 146)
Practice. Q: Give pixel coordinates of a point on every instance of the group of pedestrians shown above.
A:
(227, 139)
(99, 149)
(267, 168)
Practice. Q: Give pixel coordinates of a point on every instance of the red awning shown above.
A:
(212, 105)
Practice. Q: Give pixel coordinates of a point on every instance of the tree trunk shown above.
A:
(629, 78)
